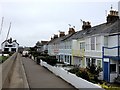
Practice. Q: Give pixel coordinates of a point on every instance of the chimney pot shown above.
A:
(61, 34)
(71, 30)
(55, 36)
(86, 25)
(112, 17)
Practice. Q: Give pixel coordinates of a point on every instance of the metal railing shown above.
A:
(111, 51)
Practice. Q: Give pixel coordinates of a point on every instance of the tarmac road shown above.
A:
(39, 77)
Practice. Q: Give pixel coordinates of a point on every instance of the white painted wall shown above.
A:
(98, 43)
(51, 49)
(65, 47)
(70, 78)
(98, 47)
(77, 60)
(74, 44)
(87, 44)
(113, 41)
(113, 76)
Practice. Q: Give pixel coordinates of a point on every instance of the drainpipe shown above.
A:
(72, 58)
(103, 61)
(118, 53)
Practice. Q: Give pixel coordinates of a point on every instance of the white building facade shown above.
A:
(99, 45)
(9, 46)
(93, 50)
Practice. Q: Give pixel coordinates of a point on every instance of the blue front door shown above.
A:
(106, 71)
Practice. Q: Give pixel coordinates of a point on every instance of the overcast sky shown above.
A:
(36, 20)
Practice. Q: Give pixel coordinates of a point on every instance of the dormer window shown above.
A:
(9, 45)
(13, 45)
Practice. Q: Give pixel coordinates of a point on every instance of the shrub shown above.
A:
(80, 73)
(74, 70)
(85, 75)
(60, 62)
(94, 72)
(92, 68)
(49, 59)
(3, 58)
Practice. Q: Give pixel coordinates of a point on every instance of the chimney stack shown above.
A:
(113, 16)
(71, 30)
(10, 40)
(86, 25)
(55, 36)
(51, 38)
(119, 8)
(61, 34)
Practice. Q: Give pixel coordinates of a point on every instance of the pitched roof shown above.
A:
(59, 39)
(9, 42)
(44, 42)
(102, 29)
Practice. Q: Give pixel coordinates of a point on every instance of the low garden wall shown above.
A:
(77, 82)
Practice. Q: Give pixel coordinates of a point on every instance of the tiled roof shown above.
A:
(44, 42)
(10, 42)
(59, 39)
(101, 29)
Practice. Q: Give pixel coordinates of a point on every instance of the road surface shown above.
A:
(0, 76)
(39, 77)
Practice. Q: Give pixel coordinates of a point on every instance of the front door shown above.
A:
(106, 71)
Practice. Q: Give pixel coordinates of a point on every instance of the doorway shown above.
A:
(106, 71)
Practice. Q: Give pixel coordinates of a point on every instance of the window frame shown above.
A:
(92, 43)
(113, 69)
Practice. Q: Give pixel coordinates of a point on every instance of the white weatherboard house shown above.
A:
(98, 45)
(110, 55)
(9, 45)
(65, 50)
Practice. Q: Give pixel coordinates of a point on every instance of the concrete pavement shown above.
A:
(18, 78)
(39, 77)
(0, 76)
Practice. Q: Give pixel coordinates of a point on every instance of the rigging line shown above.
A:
(1, 25)
(8, 31)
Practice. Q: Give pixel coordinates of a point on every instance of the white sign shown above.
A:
(106, 59)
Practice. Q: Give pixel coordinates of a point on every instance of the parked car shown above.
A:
(25, 53)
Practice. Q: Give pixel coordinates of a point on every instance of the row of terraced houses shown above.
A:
(99, 45)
